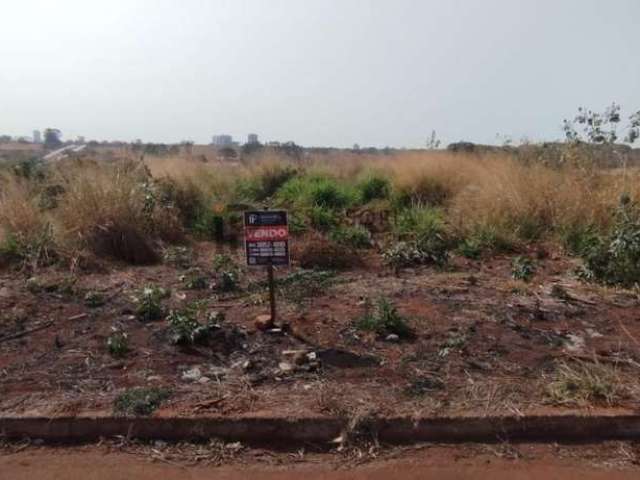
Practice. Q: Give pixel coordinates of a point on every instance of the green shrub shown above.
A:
(355, 237)
(422, 238)
(316, 190)
(418, 221)
(322, 218)
(149, 303)
(374, 188)
(579, 239)
(118, 344)
(615, 258)
(185, 329)
(522, 268)
(384, 320)
(140, 401)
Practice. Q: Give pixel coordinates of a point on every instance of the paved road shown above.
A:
(50, 464)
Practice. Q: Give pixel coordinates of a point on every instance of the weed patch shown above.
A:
(522, 268)
(118, 344)
(384, 319)
(140, 401)
(149, 303)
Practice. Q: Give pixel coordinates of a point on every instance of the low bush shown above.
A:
(118, 344)
(185, 329)
(615, 258)
(384, 319)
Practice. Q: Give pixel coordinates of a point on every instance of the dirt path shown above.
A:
(438, 463)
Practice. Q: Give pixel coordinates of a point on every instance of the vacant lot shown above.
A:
(421, 284)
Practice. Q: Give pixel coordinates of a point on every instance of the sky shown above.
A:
(317, 72)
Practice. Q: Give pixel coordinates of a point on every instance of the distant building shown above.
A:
(252, 138)
(80, 140)
(37, 136)
(222, 140)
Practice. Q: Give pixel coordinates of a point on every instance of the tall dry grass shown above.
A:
(120, 205)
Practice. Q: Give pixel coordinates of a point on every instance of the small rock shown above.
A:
(275, 331)
(312, 357)
(204, 380)
(159, 444)
(285, 367)
(392, 338)
(5, 292)
(192, 375)
(247, 365)
(574, 343)
(263, 322)
(154, 378)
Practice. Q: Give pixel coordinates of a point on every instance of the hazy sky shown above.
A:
(319, 72)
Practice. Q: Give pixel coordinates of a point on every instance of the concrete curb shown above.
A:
(257, 430)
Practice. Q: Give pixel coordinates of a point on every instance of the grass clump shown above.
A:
(522, 268)
(584, 383)
(421, 239)
(266, 181)
(149, 303)
(352, 236)
(118, 344)
(317, 190)
(140, 401)
(374, 187)
(384, 319)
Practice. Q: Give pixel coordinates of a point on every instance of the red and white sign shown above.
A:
(258, 234)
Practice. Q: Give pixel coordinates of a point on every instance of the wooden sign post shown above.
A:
(266, 236)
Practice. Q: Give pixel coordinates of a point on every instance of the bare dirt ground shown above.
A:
(484, 343)
(612, 460)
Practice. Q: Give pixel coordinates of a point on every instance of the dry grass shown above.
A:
(514, 200)
(586, 383)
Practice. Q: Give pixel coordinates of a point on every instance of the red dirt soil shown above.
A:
(484, 342)
(495, 462)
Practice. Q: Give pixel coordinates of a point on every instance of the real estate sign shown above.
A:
(266, 237)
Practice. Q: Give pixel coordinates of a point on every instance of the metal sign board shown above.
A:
(266, 237)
